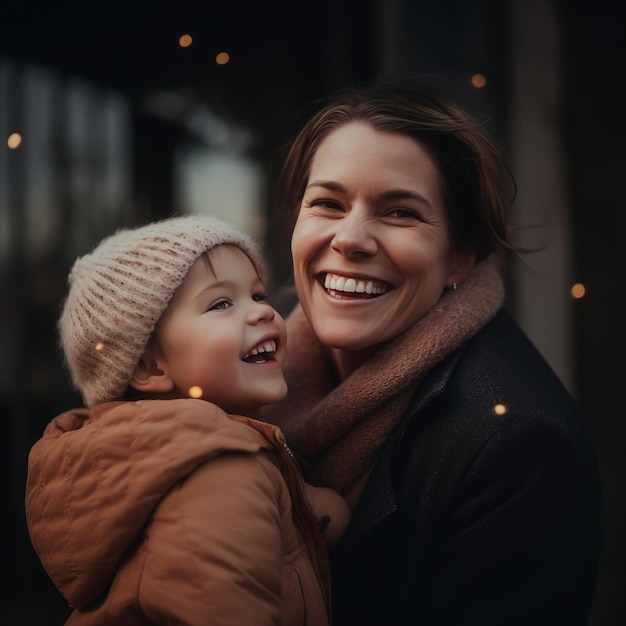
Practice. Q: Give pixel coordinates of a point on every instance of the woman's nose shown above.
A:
(261, 311)
(354, 235)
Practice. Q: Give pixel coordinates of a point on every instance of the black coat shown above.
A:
(475, 518)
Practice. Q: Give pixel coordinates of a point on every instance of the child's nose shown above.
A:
(261, 312)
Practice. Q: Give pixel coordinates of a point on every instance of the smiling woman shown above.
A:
(400, 358)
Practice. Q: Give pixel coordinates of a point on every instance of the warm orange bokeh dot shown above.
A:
(184, 41)
(99, 347)
(14, 140)
(222, 58)
(195, 392)
(578, 291)
(500, 409)
(479, 81)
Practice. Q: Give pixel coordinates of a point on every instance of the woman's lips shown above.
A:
(338, 284)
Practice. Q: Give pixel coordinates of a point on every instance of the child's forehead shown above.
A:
(223, 256)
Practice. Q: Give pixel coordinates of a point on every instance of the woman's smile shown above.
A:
(339, 286)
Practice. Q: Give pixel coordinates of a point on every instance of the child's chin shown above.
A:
(273, 392)
(267, 400)
(273, 398)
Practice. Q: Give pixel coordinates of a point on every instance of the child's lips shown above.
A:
(264, 351)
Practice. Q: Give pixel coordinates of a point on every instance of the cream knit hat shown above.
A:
(118, 292)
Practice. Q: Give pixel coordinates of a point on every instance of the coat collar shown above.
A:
(378, 500)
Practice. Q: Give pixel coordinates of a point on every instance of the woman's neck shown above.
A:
(347, 361)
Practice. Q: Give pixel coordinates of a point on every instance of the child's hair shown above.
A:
(119, 291)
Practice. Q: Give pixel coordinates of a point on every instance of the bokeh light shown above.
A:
(500, 409)
(222, 58)
(99, 347)
(14, 141)
(184, 41)
(195, 391)
(578, 291)
(479, 81)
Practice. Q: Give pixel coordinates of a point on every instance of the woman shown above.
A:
(469, 469)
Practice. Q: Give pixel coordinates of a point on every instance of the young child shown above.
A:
(161, 503)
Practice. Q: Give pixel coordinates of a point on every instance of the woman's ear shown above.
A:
(148, 376)
(461, 265)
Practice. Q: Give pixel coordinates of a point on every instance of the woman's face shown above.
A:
(371, 248)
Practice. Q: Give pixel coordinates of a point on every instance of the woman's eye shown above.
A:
(219, 305)
(326, 204)
(405, 214)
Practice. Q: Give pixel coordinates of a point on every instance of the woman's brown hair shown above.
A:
(476, 180)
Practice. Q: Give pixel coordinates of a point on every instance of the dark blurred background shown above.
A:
(108, 118)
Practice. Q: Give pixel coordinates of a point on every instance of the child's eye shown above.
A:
(259, 297)
(219, 305)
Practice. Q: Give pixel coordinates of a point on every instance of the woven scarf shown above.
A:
(339, 426)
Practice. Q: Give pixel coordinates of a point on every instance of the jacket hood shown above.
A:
(112, 466)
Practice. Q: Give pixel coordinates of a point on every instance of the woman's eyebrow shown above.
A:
(391, 194)
(402, 194)
(331, 185)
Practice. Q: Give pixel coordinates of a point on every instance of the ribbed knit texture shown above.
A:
(118, 292)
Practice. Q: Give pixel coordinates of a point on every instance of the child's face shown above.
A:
(219, 334)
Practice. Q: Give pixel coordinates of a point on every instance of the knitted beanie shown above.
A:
(118, 292)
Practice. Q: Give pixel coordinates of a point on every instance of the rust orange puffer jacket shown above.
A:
(172, 512)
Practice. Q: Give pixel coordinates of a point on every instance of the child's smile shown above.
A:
(217, 326)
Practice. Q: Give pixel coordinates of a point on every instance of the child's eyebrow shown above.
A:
(212, 287)
(256, 283)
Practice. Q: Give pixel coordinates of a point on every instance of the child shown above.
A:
(162, 504)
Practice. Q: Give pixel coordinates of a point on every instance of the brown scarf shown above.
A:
(340, 425)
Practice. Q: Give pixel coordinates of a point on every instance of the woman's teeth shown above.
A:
(351, 285)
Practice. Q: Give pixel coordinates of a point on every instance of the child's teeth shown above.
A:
(270, 346)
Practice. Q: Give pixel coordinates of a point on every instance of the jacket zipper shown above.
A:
(316, 549)
(307, 502)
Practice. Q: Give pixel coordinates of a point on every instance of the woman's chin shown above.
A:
(346, 339)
